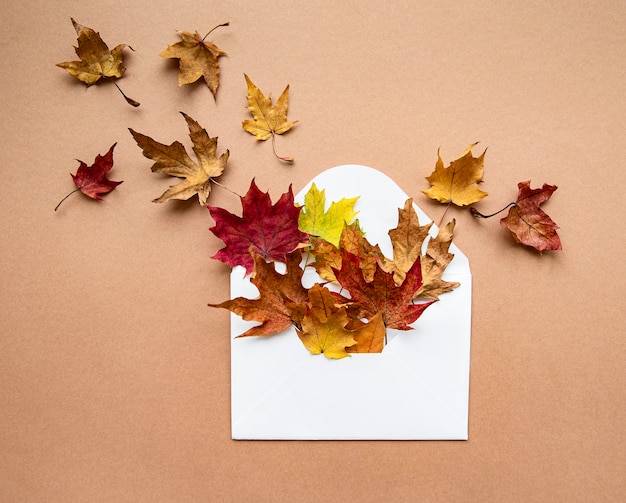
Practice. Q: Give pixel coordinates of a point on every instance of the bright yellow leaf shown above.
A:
(268, 120)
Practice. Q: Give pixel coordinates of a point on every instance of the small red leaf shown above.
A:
(92, 180)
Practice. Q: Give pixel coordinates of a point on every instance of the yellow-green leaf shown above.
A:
(326, 224)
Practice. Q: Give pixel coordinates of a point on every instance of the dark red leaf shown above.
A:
(265, 229)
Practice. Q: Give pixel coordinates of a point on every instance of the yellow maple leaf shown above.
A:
(328, 337)
(173, 160)
(458, 183)
(96, 60)
(197, 57)
(327, 224)
(268, 120)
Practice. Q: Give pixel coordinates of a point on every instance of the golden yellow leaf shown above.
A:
(328, 337)
(197, 57)
(173, 160)
(458, 183)
(268, 120)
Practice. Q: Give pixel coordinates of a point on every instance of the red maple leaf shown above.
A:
(268, 230)
(382, 295)
(270, 308)
(92, 180)
(528, 223)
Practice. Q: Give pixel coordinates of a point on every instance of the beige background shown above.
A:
(114, 374)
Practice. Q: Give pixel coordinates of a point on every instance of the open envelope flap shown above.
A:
(417, 388)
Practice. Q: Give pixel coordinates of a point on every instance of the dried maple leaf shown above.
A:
(173, 160)
(268, 120)
(369, 337)
(270, 307)
(458, 183)
(407, 239)
(328, 256)
(528, 223)
(329, 336)
(382, 295)
(197, 57)
(96, 60)
(92, 180)
(434, 263)
(269, 230)
(326, 224)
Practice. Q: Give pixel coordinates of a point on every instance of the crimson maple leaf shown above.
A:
(382, 295)
(268, 230)
(270, 308)
(92, 180)
(528, 223)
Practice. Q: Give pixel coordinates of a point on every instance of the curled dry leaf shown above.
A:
(528, 223)
(458, 183)
(96, 60)
(197, 57)
(92, 180)
(173, 160)
(268, 120)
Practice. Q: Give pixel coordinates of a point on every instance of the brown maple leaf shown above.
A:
(458, 183)
(266, 229)
(96, 60)
(173, 160)
(528, 223)
(197, 57)
(268, 120)
(92, 180)
(275, 290)
(382, 295)
(328, 256)
(434, 263)
(408, 239)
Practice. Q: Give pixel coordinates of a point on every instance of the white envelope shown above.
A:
(416, 389)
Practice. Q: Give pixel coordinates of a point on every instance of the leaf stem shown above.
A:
(214, 28)
(444, 214)
(75, 190)
(478, 214)
(226, 188)
(130, 101)
(284, 159)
